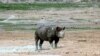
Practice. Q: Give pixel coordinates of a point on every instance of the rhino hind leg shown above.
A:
(36, 42)
(40, 44)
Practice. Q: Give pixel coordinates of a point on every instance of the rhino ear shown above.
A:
(57, 28)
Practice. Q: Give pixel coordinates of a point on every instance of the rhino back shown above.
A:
(46, 33)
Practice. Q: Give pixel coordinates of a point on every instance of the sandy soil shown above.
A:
(75, 43)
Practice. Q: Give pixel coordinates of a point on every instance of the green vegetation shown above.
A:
(25, 26)
(31, 27)
(39, 6)
(83, 28)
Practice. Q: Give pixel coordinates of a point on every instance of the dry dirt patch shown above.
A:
(75, 43)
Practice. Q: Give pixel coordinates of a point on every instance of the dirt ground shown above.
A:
(75, 43)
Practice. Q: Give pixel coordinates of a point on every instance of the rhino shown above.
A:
(50, 34)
